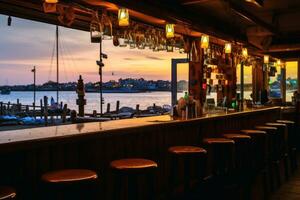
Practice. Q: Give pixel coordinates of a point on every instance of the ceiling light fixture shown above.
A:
(123, 17)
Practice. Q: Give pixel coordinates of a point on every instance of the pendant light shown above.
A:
(49, 6)
(123, 17)
(266, 59)
(204, 41)
(51, 1)
(228, 48)
(170, 33)
(245, 52)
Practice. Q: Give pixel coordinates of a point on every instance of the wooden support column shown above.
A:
(283, 85)
(196, 74)
(259, 80)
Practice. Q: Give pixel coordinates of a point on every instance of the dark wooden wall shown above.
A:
(22, 167)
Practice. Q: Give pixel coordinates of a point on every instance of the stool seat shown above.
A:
(69, 176)
(132, 164)
(7, 193)
(270, 128)
(218, 141)
(276, 124)
(250, 132)
(285, 122)
(235, 136)
(186, 150)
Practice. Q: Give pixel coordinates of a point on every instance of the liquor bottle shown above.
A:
(186, 97)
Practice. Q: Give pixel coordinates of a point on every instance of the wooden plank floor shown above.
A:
(289, 190)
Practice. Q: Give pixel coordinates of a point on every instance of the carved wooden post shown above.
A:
(196, 80)
(81, 93)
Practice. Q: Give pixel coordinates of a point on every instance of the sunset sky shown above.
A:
(28, 43)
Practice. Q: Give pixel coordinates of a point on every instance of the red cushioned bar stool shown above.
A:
(188, 155)
(70, 184)
(7, 193)
(131, 169)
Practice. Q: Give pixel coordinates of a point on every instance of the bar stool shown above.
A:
(70, 184)
(274, 153)
(283, 145)
(259, 148)
(259, 159)
(242, 162)
(132, 168)
(7, 193)
(221, 165)
(292, 142)
(187, 154)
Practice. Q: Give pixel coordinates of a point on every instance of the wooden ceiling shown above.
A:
(271, 26)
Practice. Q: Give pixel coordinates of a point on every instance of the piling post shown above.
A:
(94, 114)
(27, 109)
(73, 116)
(137, 109)
(34, 115)
(41, 107)
(108, 108)
(19, 107)
(118, 106)
(1, 108)
(46, 110)
(64, 113)
(81, 93)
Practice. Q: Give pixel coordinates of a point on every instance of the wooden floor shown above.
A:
(289, 190)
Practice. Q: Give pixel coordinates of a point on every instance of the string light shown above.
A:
(228, 48)
(204, 41)
(170, 33)
(245, 52)
(266, 59)
(51, 1)
(123, 17)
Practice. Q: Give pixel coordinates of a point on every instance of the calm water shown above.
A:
(126, 99)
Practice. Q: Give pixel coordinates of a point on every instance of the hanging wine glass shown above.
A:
(170, 45)
(95, 29)
(123, 39)
(141, 41)
(106, 26)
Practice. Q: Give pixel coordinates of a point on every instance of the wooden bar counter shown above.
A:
(26, 154)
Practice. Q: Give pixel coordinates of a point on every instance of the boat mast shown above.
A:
(57, 64)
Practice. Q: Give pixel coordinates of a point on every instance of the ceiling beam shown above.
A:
(247, 15)
(35, 15)
(192, 2)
